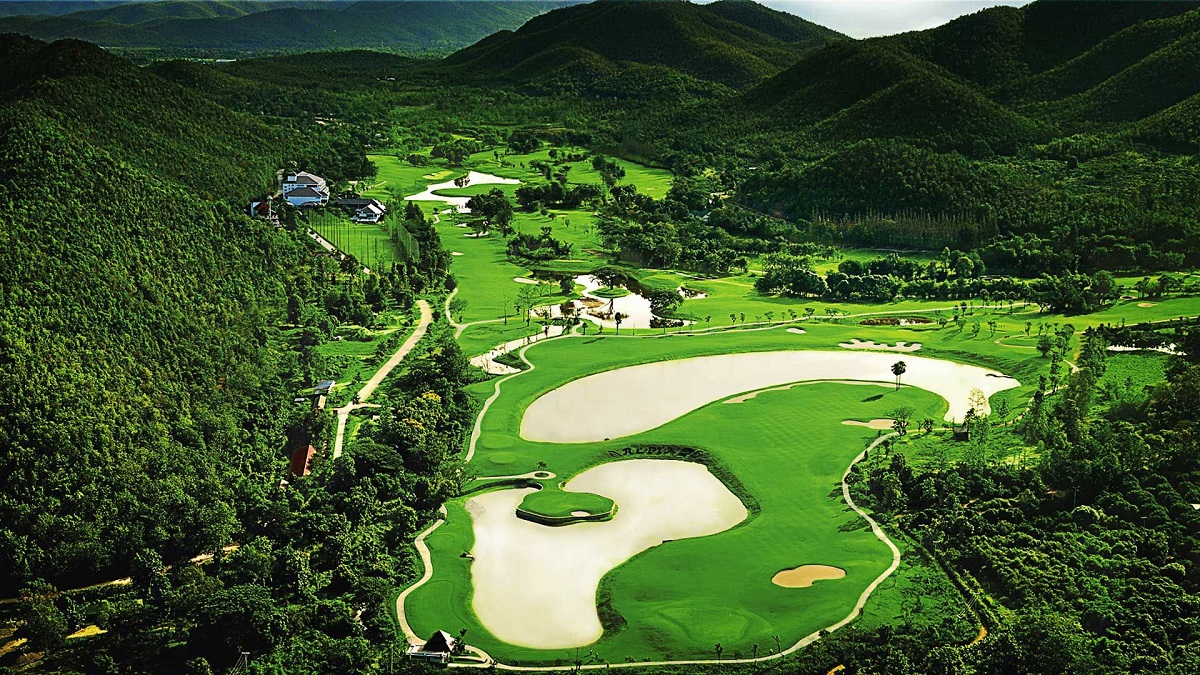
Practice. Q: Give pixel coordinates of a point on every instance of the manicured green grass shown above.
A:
(481, 337)
(555, 504)
(397, 178)
(861, 255)
(353, 361)
(648, 180)
(785, 449)
(788, 450)
(1132, 311)
(607, 292)
(370, 243)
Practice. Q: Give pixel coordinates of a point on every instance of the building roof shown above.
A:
(440, 642)
(306, 192)
(303, 178)
(372, 209)
(301, 464)
(355, 201)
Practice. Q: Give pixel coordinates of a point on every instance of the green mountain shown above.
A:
(140, 12)
(134, 360)
(996, 80)
(234, 27)
(1001, 44)
(734, 43)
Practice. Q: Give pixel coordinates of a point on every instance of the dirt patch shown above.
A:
(804, 575)
(877, 423)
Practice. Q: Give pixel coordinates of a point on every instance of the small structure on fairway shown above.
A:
(438, 648)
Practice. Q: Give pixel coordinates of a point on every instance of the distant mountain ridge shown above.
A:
(300, 25)
(731, 42)
(998, 78)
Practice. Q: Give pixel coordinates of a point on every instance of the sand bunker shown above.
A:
(634, 308)
(901, 346)
(473, 178)
(1146, 304)
(804, 575)
(797, 331)
(526, 280)
(535, 586)
(487, 362)
(634, 399)
(877, 423)
(455, 252)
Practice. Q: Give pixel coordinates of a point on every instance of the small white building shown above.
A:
(307, 196)
(439, 648)
(302, 187)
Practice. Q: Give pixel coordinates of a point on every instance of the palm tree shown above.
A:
(898, 369)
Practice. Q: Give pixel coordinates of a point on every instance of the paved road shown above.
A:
(343, 413)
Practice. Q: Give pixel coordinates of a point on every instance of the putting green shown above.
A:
(782, 453)
(551, 506)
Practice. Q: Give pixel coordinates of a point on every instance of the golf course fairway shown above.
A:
(712, 501)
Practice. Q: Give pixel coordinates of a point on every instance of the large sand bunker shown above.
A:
(535, 586)
(804, 575)
(634, 399)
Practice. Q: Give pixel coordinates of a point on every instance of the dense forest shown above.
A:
(152, 337)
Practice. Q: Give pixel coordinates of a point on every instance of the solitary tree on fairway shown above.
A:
(898, 369)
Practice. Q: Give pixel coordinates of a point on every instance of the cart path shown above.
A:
(343, 413)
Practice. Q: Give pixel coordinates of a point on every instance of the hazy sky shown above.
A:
(869, 18)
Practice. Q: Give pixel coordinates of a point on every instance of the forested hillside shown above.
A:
(235, 28)
(731, 42)
(152, 339)
(133, 312)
